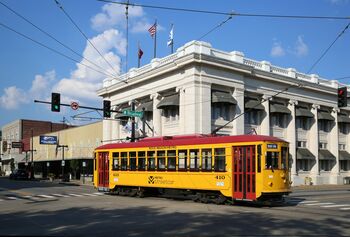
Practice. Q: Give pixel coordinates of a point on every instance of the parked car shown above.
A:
(19, 174)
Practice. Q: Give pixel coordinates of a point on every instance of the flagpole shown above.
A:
(127, 35)
(155, 41)
(172, 41)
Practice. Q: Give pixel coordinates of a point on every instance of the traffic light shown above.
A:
(55, 102)
(342, 97)
(106, 108)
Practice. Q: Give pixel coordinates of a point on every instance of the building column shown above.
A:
(157, 115)
(115, 129)
(238, 123)
(107, 129)
(291, 138)
(265, 123)
(196, 108)
(334, 149)
(314, 144)
(183, 100)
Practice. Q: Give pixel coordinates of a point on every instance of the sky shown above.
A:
(30, 71)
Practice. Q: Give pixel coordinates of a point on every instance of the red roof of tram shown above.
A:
(189, 140)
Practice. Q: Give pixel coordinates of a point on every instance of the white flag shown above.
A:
(171, 36)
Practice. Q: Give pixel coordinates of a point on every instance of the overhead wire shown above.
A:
(52, 37)
(227, 13)
(216, 27)
(85, 36)
(52, 49)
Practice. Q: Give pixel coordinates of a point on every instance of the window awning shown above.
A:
(342, 118)
(344, 155)
(304, 154)
(253, 104)
(168, 101)
(222, 97)
(147, 105)
(324, 154)
(303, 112)
(322, 115)
(278, 108)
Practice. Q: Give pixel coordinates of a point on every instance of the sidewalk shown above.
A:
(321, 187)
(72, 182)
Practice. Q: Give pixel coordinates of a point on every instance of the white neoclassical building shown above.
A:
(199, 88)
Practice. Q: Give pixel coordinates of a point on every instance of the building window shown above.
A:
(302, 123)
(324, 125)
(303, 165)
(220, 111)
(322, 145)
(325, 165)
(252, 117)
(343, 128)
(301, 144)
(342, 147)
(278, 120)
(345, 165)
(171, 113)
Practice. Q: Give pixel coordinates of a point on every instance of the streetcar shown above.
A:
(204, 167)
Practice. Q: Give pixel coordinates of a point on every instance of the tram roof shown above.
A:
(196, 139)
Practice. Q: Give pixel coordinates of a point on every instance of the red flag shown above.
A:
(152, 30)
(140, 53)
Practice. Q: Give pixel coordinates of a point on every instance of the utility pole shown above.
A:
(133, 122)
(32, 158)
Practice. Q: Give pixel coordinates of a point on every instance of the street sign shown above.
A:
(48, 140)
(17, 144)
(74, 105)
(133, 113)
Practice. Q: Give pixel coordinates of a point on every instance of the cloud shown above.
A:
(41, 83)
(300, 48)
(114, 15)
(12, 98)
(277, 50)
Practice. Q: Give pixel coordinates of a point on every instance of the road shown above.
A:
(44, 208)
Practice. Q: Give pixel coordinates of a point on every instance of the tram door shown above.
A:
(103, 169)
(244, 172)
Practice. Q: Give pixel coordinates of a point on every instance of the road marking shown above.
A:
(45, 196)
(75, 195)
(338, 205)
(99, 193)
(59, 195)
(345, 208)
(12, 198)
(319, 204)
(305, 202)
(89, 194)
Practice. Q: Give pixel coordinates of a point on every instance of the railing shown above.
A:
(252, 63)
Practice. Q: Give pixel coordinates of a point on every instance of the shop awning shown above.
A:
(147, 105)
(253, 104)
(303, 112)
(344, 155)
(342, 118)
(322, 115)
(172, 100)
(324, 154)
(222, 97)
(304, 154)
(278, 108)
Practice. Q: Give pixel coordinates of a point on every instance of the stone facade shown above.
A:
(199, 88)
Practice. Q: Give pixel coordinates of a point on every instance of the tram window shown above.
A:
(151, 160)
(206, 159)
(124, 160)
(259, 158)
(194, 160)
(141, 160)
(272, 160)
(172, 160)
(132, 164)
(220, 159)
(161, 160)
(284, 162)
(182, 159)
(115, 156)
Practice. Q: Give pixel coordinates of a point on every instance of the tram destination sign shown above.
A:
(133, 113)
(48, 140)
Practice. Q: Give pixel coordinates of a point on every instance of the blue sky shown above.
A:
(29, 71)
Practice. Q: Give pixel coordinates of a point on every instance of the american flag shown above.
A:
(152, 30)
